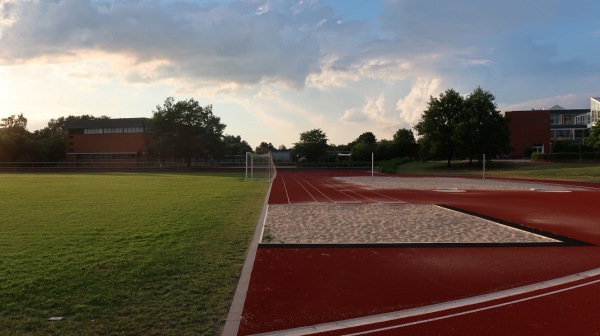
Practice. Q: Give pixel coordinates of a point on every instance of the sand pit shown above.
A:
(385, 223)
(450, 183)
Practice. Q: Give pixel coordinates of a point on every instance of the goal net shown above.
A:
(260, 167)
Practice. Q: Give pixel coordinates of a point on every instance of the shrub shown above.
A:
(391, 166)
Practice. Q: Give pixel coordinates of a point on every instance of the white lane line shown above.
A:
(466, 312)
(436, 308)
(305, 180)
(286, 191)
(311, 195)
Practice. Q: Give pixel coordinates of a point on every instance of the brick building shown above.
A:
(528, 130)
(125, 140)
(536, 130)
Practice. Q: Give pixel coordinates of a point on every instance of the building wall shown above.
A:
(121, 140)
(107, 143)
(528, 128)
(132, 143)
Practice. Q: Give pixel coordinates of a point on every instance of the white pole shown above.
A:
(372, 164)
(246, 166)
(483, 167)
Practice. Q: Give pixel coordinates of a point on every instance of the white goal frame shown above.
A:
(260, 167)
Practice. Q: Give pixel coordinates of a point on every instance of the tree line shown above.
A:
(451, 127)
(182, 129)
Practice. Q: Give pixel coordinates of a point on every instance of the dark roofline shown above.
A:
(555, 111)
(105, 123)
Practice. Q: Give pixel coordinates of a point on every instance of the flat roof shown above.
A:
(105, 123)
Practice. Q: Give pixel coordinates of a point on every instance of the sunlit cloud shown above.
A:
(276, 68)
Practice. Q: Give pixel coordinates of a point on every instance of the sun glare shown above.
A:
(3, 84)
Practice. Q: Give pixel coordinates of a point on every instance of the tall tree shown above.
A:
(366, 138)
(439, 122)
(234, 145)
(15, 140)
(264, 148)
(363, 146)
(14, 121)
(385, 150)
(404, 142)
(593, 139)
(482, 129)
(186, 129)
(312, 145)
(50, 140)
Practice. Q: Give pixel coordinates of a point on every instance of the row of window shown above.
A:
(105, 156)
(568, 134)
(114, 130)
(569, 119)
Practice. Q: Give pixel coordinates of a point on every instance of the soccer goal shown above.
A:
(260, 167)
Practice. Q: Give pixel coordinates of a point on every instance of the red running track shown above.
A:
(299, 287)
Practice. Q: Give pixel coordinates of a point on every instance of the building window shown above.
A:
(100, 156)
(538, 148)
(135, 129)
(92, 131)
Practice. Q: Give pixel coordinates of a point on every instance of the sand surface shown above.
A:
(384, 223)
(397, 223)
(435, 183)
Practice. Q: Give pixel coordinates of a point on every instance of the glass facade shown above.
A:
(594, 111)
(565, 119)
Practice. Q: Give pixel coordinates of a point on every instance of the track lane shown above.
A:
(333, 194)
(300, 287)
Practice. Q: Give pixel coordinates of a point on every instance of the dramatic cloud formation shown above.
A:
(276, 68)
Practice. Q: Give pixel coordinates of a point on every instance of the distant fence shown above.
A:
(116, 165)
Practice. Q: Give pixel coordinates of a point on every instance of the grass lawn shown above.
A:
(122, 254)
(507, 168)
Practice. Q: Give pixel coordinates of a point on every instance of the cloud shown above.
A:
(299, 65)
(568, 101)
(372, 110)
(241, 41)
(412, 106)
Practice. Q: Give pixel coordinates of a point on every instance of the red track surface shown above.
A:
(298, 287)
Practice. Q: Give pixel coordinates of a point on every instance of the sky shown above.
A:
(273, 69)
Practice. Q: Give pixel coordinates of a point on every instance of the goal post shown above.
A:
(260, 167)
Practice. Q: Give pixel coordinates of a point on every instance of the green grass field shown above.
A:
(122, 254)
(507, 168)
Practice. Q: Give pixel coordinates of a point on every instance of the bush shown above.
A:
(566, 156)
(335, 164)
(391, 166)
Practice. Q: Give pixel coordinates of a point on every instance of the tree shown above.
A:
(482, 129)
(234, 145)
(366, 138)
(386, 150)
(362, 151)
(593, 139)
(439, 122)
(186, 129)
(50, 140)
(14, 121)
(312, 145)
(264, 148)
(15, 140)
(404, 142)
(363, 146)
